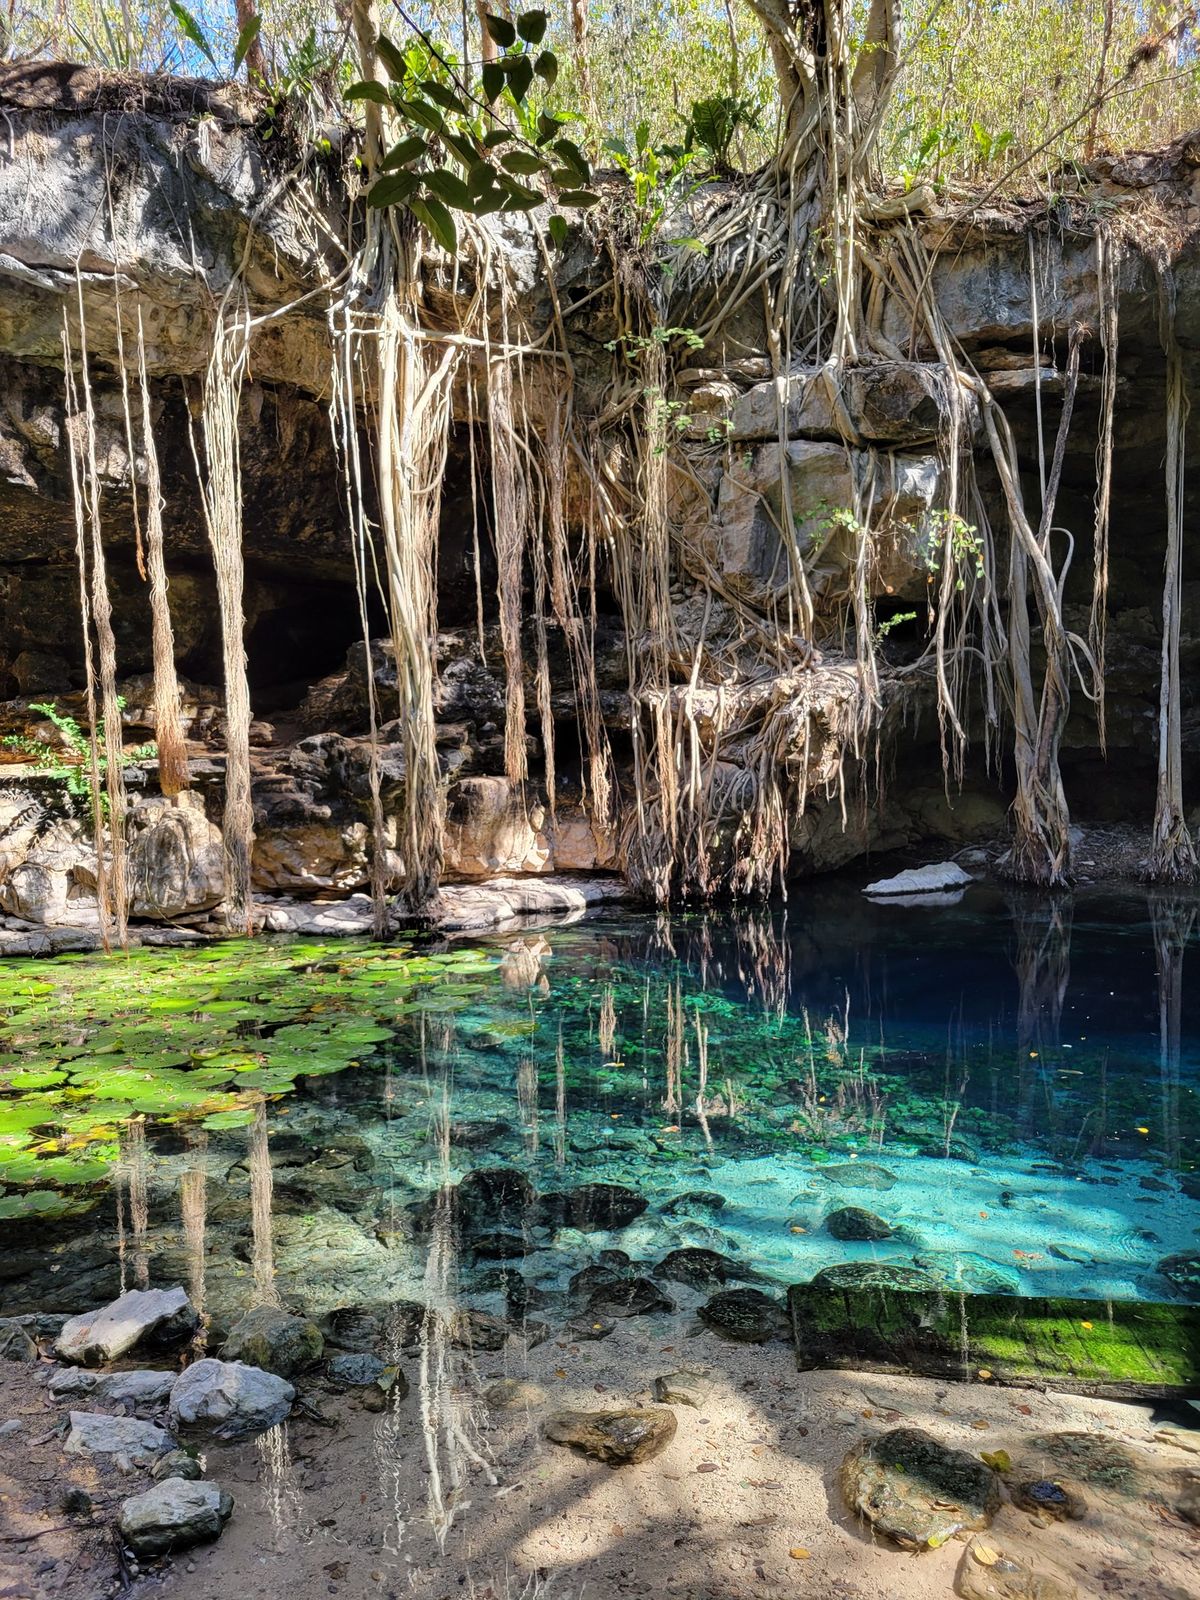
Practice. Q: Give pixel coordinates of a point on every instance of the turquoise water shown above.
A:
(1002, 1092)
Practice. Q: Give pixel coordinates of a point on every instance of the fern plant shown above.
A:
(65, 768)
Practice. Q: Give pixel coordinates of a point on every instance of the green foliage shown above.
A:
(716, 121)
(67, 765)
(945, 536)
(656, 176)
(885, 626)
(477, 139)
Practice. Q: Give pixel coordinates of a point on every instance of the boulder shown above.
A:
(628, 1297)
(140, 1316)
(937, 877)
(92, 1433)
(15, 1343)
(702, 1202)
(176, 858)
(272, 1339)
(916, 1491)
(618, 1438)
(176, 1464)
(746, 1316)
(134, 1388)
(172, 1515)
(853, 1223)
(229, 1400)
(493, 1197)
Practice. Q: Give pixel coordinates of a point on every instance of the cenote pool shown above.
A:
(1000, 1094)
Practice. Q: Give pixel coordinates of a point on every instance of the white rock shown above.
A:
(229, 1400)
(174, 1514)
(140, 1388)
(937, 877)
(103, 1335)
(95, 1434)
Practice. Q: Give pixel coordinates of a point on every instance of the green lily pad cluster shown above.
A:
(88, 1045)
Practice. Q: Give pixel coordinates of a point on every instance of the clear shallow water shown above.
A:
(1009, 1086)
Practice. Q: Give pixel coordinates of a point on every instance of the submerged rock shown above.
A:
(229, 1400)
(92, 1433)
(875, 1275)
(970, 1272)
(499, 1247)
(988, 1574)
(363, 1328)
(1090, 1458)
(698, 1268)
(274, 1340)
(745, 1315)
(592, 1207)
(1182, 1272)
(915, 1491)
(174, 1514)
(355, 1371)
(492, 1197)
(15, 1343)
(588, 1327)
(682, 1388)
(617, 1438)
(478, 1330)
(628, 1297)
(857, 1175)
(702, 1202)
(142, 1316)
(511, 1394)
(854, 1223)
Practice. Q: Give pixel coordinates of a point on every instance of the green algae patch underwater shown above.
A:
(88, 1045)
(1119, 1349)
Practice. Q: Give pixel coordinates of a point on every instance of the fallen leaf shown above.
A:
(998, 1460)
(799, 1553)
(1085, 1324)
(985, 1373)
(985, 1555)
(981, 1422)
(1026, 1411)
(708, 1466)
(560, 1372)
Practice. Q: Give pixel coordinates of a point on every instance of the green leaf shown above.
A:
(424, 115)
(523, 162)
(500, 29)
(448, 186)
(438, 220)
(532, 26)
(546, 67)
(558, 229)
(520, 76)
(578, 198)
(392, 58)
(489, 200)
(492, 77)
(572, 156)
(442, 96)
(192, 30)
(404, 152)
(244, 40)
(394, 189)
(369, 90)
(461, 149)
(495, 136)
(520, 198)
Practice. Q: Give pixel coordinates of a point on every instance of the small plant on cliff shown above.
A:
(65, 765)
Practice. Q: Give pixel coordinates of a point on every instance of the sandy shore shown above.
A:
(743, 1503)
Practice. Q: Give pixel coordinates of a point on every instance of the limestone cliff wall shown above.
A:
(152, 198)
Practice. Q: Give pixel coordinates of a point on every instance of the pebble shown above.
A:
(10, 1427)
